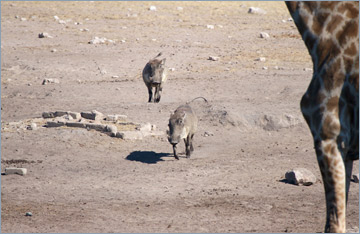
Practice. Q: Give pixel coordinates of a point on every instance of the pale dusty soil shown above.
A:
(87, 181)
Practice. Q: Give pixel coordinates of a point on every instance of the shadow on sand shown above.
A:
(149, 157)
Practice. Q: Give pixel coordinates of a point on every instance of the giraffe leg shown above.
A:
(332, 170)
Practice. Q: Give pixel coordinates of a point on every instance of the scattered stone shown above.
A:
(23, 19)
(55, 124)
(54, 50)
(264, 68)
(256, 10)
(100, 40)
(264, 35)
(220, 26)
(261, 59)
(48, 115)
(290, 19)
(207, 133)
(112, 129)
(84, 30)
(180, 8)
(60, 113)
(300, 176)
(76, 124)
(213, 58)
(153, 39)
(62, 21)
(15, 170)
(50, 81)
(152, 8)
(308, 69)
(284, 21)
(145, 127)
(93, 115)
(78, 23)
(44, 35)
(56, 17)
(115, 77)
(209, 26)
(74, 115)
(97, 127)
(32, 126)
(28, 214)
(172, 69)
(356, 178)
(130, 135)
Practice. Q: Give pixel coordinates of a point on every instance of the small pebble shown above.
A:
(28, 214)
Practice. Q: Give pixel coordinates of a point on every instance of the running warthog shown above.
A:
(154, 76)
(182, 125)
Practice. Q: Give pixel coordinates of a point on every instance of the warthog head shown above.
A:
(177, 130)
(157, 70)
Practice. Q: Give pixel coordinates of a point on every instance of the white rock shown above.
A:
(62, 22)
(172, 69)
(32, 126)
(56, 17)
(264, 35)
(213, 58)
(111, 128)
(264, 68)
(290, 19)
(261, 59)
(152, 8)
(53, 50)
(209, 26)
(256, 10)
(23, 19)
(50, 81)
(145, 127)
(15, 170)
(74, 115)
(180, 8)
(44, 35)
(284, 21)
(130, 135)
(308, 69)
(115, 77)
(300, 176)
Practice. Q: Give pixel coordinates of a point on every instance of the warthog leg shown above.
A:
(174, 149)
(187, 141)
(150, 93)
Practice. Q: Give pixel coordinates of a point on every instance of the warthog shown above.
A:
(182, 125)
(154, 76)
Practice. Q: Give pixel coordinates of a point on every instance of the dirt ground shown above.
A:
(250, 132)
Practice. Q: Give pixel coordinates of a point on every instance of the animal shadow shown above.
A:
(149, 157)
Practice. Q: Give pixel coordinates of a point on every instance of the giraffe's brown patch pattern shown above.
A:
(332, 104)
(352, 11)
(330, 128)
(328, 5)
(334, 23)
(351, 50)
(348, 63)
(318, 22)
(350, 30)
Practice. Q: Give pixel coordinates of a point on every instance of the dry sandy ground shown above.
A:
(87, 181)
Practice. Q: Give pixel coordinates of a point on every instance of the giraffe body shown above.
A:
(331, 103)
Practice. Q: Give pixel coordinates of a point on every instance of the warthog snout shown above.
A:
(154, 76)
(182, 125)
